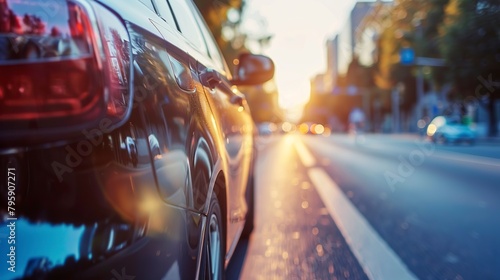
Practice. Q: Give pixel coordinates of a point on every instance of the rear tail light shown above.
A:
(116, 50)
(64, 65)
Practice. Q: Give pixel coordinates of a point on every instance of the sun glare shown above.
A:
(299, 31)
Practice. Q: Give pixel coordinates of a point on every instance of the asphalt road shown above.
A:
(373, 207)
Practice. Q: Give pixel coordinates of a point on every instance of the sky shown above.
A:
(300, 30)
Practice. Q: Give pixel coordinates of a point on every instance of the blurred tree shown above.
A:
(359, 75)
(411, 24)
(427, 36)
(224, 18)
(399, 32)
(220, 14)
(466, 33)
(388, 49)
(414, 24)
(471, 46)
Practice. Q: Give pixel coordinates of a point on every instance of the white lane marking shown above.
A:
(305, 156)
(376, 258)
(470, 159)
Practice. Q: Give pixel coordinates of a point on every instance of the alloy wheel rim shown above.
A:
(214, 246)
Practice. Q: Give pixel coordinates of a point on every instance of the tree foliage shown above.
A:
(215, 13)
(414, 24)
(471, 40)
(465, 33)
(471, 46)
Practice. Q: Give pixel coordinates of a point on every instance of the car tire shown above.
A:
(249, 220)
(441, 139)
(214, 246)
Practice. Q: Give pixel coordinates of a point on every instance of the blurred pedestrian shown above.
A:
(356, 120)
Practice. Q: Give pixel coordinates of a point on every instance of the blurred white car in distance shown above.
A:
(450, 130)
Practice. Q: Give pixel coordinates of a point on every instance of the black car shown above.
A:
(126, 149)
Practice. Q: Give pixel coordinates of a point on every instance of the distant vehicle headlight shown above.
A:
(431, 129)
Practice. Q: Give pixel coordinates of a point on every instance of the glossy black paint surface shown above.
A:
(133, 201)
(104, 216)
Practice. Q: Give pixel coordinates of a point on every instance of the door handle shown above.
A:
(212, 79)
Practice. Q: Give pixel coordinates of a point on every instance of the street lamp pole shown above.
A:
(420, 62)
(420, 90)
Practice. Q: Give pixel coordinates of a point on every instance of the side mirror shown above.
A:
(253, 70)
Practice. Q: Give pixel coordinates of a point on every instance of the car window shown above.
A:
(148, 4)
(188, 25)
(165, 12)
(213, 49)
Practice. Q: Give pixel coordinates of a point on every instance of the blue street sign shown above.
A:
(407, 56)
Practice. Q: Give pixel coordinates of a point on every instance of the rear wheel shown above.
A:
(441, 139)
(214, 243)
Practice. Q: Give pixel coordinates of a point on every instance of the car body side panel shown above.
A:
(181, 145)
(235, 129)
(103, 217)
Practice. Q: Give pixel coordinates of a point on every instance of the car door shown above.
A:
(230, 108)
(175, 114)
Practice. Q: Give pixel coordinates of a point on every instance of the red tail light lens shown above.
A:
(46, 63)
(61, 66)
(116, 61)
